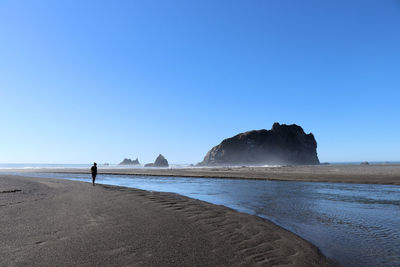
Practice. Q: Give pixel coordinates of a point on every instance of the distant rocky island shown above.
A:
(282, 145)
(127, 161)
(160, 161)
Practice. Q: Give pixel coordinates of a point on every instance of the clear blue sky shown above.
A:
(103, 80)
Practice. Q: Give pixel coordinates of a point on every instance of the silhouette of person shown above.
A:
(93, 170)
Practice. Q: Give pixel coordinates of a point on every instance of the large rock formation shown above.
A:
(282, 145)
(130, 162)
(159, 162)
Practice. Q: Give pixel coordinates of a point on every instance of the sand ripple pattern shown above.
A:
(255, 241)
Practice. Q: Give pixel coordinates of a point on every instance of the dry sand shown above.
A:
(361, 174)
(49, 222)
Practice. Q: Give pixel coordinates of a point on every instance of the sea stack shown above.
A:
(130, 162)
(282, 145)
(160, 161)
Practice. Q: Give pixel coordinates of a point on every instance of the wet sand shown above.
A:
(361, 174)
(52, 222)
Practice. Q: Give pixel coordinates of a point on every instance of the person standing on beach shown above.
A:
(93, 170)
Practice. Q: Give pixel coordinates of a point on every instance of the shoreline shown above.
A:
(360, 174)
(69, 222)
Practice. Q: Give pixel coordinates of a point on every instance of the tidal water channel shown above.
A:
(354, 224)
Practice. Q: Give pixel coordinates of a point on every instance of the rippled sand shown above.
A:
(48, 222)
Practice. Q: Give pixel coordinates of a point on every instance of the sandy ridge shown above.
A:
(368, 174)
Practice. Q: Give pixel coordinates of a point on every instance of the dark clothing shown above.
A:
(93, 170)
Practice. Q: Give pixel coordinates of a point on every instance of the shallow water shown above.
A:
(356, 225)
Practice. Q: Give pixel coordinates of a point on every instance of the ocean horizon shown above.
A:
(172, 166)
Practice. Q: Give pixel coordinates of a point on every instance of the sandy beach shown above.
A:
(50, 222)
(361, 174)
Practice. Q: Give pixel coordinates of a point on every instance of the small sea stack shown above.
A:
(127, 161)
(160, 161)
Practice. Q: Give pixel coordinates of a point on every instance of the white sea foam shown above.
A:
(37, 166)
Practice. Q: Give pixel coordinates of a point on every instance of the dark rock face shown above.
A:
(160, 162)
(130, 162)
(283, 145)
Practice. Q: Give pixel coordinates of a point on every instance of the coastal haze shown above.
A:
(224, 133)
